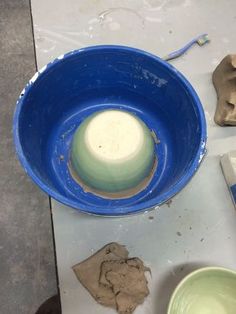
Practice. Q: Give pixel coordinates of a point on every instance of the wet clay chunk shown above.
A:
(128, 282)
(113, 279)
(224, 80)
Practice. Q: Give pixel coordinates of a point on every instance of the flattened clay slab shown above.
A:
(113, 279)
(224, 80)
(88, 272)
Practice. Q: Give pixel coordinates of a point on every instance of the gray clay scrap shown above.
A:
(224, 80)
(113, 279)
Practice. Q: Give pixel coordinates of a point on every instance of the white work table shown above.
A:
(198, 228)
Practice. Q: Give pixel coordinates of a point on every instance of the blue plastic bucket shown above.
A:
(62, 94)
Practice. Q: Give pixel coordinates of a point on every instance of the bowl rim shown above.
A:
(193, 274)
(119, 210)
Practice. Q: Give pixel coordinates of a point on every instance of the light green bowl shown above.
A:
(210, 290)
(112, 151)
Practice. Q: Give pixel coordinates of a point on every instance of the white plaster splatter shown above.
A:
(22, 92)
(61, 57)
(34, 78)
(201, 157)
(203, 151)
(203, 144)
(153, 78)
(43, 69)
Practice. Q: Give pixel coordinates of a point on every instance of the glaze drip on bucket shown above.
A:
(113, 154)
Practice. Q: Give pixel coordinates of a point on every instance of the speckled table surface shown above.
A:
(199, 227)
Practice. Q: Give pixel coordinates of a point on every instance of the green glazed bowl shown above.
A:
(210, 290)
(112, 151)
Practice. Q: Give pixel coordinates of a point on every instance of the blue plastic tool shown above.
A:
(200, 40)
